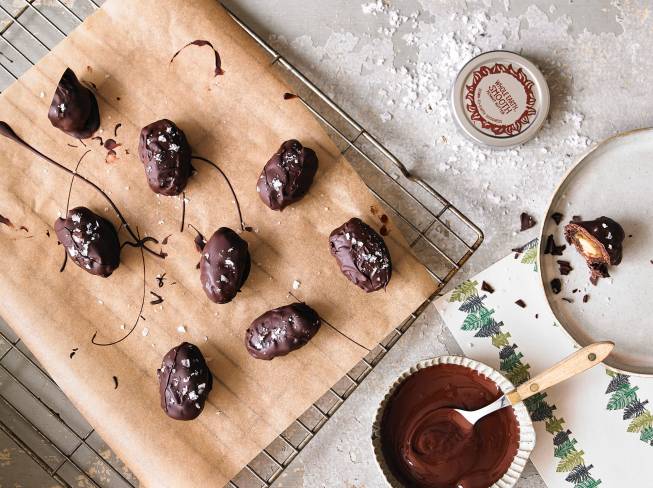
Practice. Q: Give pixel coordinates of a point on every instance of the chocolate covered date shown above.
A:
(74, 109)
(224, 265)
(599, 241)
(184, 382)
(287, 176)
(362, 255)
(282, 330)
(91, 241)
(166, 156)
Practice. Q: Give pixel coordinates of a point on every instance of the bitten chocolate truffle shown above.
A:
(166, 155)
(287, 176)
(362, 255)
(224, 266)
(599, 241)
(184, 382)
(282, 330)
(74, 108)
(91, 241)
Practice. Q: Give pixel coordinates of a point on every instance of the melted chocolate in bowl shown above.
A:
(425, 444)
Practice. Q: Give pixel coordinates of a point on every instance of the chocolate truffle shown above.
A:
(282, 330)
(224, 266)
(426, 445)
(287, 176)
(599, 241)
(184, 382)
(74, 108)
(90, 240)
(362, 255)
(166, 155)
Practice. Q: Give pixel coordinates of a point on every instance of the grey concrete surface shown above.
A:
(390, 64)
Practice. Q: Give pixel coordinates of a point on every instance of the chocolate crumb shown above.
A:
(521, 303)
(47, 233)
(75, 349)
(111, 144)
(384, 219)
(384, 230)
(157, 298)
(586, 298)
(556, 286)
(289, 96)
(527, 222)
(165, 239)
(485, 286)
(551, 247)
(557, 217)
(565, 267)
(115, 382)
(118, 98)
(575, 290)
(537, 315)
(630, 235)
(576, 218)
(568, 300)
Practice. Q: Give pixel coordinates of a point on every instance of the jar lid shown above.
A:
(500, 99)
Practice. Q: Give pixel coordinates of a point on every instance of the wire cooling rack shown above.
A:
(59, 440)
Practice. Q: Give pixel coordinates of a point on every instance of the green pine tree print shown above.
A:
(623, 396)
(480, 318)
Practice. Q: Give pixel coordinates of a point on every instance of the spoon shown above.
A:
(572, 365)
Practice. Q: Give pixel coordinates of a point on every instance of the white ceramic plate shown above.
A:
(614, 179)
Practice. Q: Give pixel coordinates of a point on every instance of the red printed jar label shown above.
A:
(499, 100)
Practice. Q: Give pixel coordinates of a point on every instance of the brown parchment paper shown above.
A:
(238, 120)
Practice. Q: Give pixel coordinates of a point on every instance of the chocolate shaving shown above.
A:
(183, 210)
(576, 218)
(22, 227)
(200, 42)
(586, 298)
(157, 298)
(98, 138)
(485, 286)
(552, 248)
(118, 126)
(75, 349)
(527, 222)
(165, 239)
(160, 280)
(557, 217)
(565, 267)
(537, 315)
(289, 96)
(521, 303)
(568, 300)
(115, 382)
(71, 145)
(556, 286)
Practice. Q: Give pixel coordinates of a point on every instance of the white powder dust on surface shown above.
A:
(396, 80)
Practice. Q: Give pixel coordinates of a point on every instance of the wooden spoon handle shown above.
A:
(572, 365)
